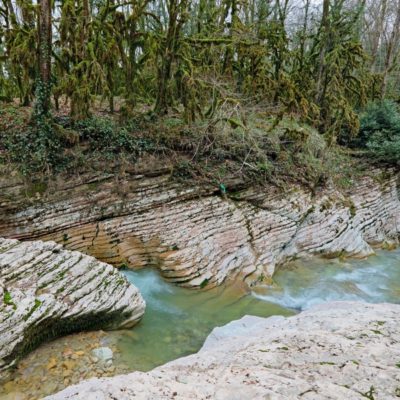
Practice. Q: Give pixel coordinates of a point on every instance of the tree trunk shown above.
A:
(323, 33)
(377, 34)
(177, 17)
(391, 49)
(44, 55)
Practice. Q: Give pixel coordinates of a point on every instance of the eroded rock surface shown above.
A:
(46, 291)
(343, 350)
(195, 236)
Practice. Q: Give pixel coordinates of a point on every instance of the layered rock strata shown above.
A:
(335, 351)
(46, 291)
(196, 236)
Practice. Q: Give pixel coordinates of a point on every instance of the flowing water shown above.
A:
(304, 283)
(178, 320)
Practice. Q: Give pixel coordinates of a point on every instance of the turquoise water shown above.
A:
(303, 284)
(178, 320)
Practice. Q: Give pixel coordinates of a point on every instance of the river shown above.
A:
(177, 320)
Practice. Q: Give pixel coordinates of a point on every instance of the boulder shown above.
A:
(47, 291)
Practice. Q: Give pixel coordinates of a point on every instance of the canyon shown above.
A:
(61, 240)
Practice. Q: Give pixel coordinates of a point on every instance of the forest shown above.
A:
(264, 88)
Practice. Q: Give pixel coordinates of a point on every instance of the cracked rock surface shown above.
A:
(341, 350)
(46, 291)
(196, 237)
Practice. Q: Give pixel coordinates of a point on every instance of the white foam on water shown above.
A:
(304, 285)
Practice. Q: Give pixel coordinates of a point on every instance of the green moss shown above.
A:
(35, 188)
(204, 283)
(7, 299)
(121, 281)
(37, 304)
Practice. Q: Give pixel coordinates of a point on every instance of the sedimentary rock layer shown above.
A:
(336, 351)
(46, 291)
(196, 236)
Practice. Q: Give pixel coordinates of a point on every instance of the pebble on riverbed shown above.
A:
(103, 353)
(61, 363)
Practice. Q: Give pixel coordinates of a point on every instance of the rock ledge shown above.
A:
(342, 350)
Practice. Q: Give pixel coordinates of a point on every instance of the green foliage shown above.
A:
(35, 148)
(42, 94)
(379, 116)
(104, 135)
(222, 88)
(259, 147)
(380, 130)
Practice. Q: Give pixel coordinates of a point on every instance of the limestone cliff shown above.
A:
(46, 292)
(193, 234)
(336, 351)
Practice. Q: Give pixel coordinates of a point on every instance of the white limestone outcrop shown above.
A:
(46, 291)
(343, 350)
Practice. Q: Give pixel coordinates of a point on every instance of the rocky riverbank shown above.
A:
(343, 350)
(47, 292)
(198, 236)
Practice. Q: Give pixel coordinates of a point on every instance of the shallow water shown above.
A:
(177, 320)
(175, 324)
(304, 283)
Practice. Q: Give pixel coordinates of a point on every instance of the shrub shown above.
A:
(103, 134)
(35, 148)
(380, 131)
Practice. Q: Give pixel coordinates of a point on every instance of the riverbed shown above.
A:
(177, 320)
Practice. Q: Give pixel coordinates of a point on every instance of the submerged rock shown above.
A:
(47, 291)
(103, 353)
(342, 350)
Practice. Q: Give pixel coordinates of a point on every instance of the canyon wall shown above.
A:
(196, 235)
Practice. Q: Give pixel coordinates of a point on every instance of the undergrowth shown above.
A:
(233, 143)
